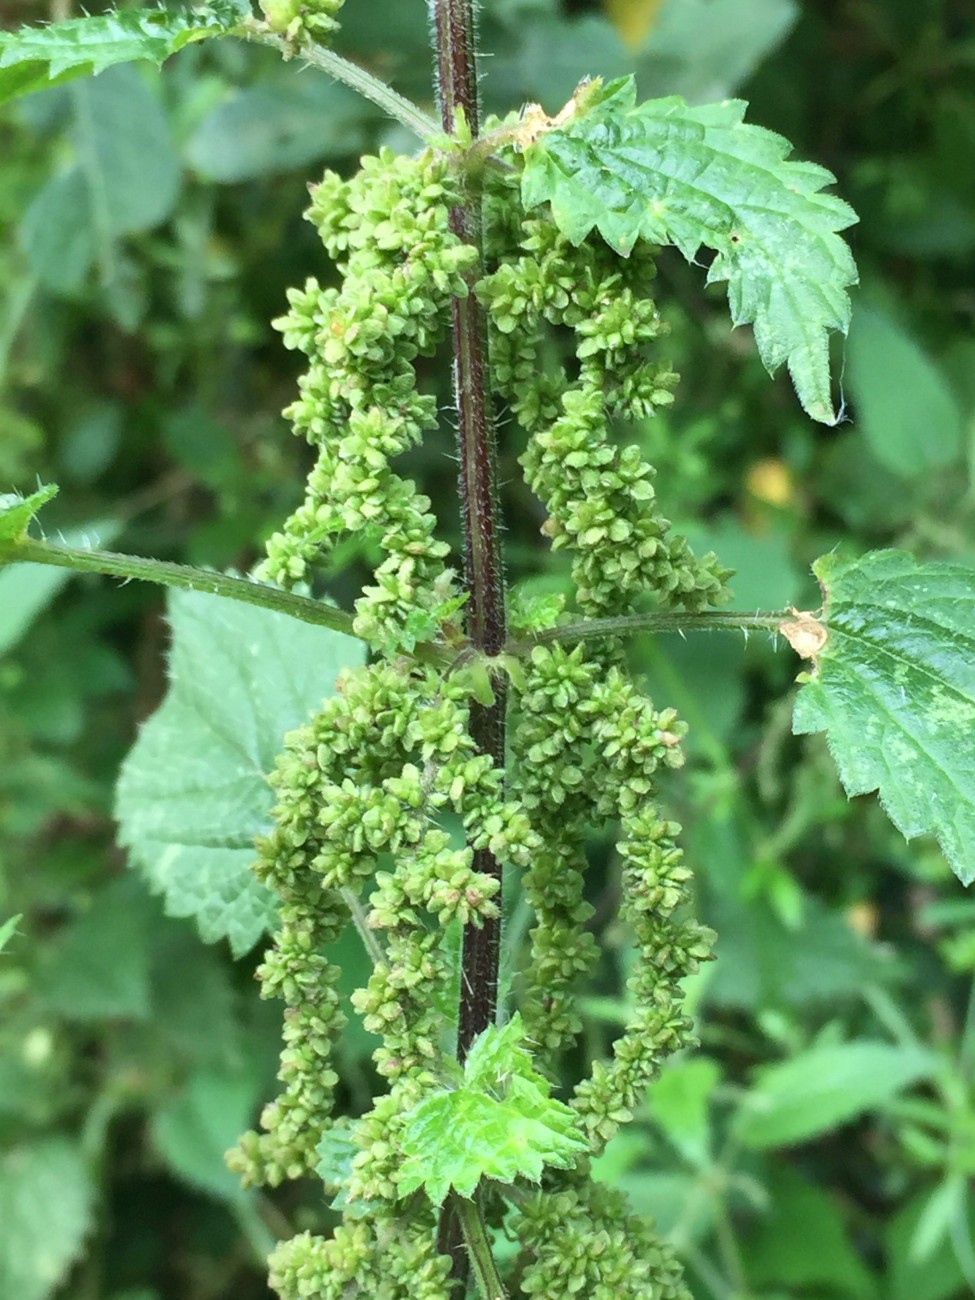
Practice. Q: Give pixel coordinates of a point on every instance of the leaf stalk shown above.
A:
(184, 577)
(373, 88)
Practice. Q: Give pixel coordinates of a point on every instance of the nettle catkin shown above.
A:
(369, 789)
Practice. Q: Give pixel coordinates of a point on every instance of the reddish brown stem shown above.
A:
(454, 20)
(457, 72)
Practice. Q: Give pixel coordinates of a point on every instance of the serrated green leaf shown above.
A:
(193, 792)
(828, 1085)
(672, 174)
(34, 58)
(499, 1123)
(894, 691)
(498, 1054)
(46, 1197)
(16, 511)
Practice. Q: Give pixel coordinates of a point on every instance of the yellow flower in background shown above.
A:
(633, 19)
(770, 480)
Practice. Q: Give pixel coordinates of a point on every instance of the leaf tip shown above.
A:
(17, 511)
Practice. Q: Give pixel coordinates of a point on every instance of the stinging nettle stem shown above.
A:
(484, 578)
(454, 25)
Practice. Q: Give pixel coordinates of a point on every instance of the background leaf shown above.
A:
(704, 51)
(125, 179)
(895, 692)
(26, 589)
(673, 174)
(193, 792)
(268, 129)
(803, 1244)
(826, 1086)
(101, 966)
(7, 930)
(46, 1197)
(903, 405)
(198, 1125)
(938, 1278)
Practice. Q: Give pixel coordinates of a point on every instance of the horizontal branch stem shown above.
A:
(114, 564)
(373, 88)
(182, 576)
(671, 621)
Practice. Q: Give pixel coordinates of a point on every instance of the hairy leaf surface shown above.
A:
(500, 1123)
(894, 690)
(34, 58)
(193, 792)
(691, 176)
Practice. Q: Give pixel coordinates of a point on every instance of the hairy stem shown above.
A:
(454, 23)
(400, 108)
(711, 620)
(113, 564)
(479, 1248)
(457, 75)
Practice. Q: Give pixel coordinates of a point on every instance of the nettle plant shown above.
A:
(467, 735)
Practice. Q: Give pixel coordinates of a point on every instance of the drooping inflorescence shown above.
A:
(383, 797)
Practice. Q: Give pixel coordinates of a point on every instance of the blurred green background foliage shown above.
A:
(821, 1144)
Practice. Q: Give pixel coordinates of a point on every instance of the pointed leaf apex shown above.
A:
(16, 511)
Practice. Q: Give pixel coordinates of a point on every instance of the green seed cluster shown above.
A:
(600, 497)
(369, 779)
(580, 1240)
(670, 948)
(588, 745)
(382, 1258)
(295, 19)
(387, 231)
